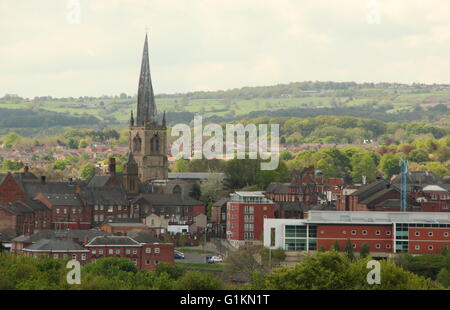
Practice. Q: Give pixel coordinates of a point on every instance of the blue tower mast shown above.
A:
(404, 185)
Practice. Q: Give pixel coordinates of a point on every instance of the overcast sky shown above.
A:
(218, 44)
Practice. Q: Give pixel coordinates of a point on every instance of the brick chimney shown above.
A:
(26, 169)
(112, 166)
(43, 179)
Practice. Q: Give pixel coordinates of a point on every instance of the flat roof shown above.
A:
(371, 217)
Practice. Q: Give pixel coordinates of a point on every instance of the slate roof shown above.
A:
(143, 237)
(104, 196)
(49, 245)
(419, 177)
(99, 180)
(68, 200)
(221, 202)
(278, 188)
(32, 188)
(377, 194)
(36, 205)
(67, 234)
(16, 208)
(369, 189)
(390, 203)
(113, 240)
(169, 200)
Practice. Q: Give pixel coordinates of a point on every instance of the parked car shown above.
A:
(215, 260)
(178, 255)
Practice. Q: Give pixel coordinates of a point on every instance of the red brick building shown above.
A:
(143, 255)
(10, 190)
(246, 212)
(58, 248)
(68, 211)
(24, 217)
(386, 233)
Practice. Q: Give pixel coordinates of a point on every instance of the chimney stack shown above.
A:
(112, 166)
(43, 179)
(26, 169)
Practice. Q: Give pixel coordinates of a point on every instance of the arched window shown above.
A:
(137, 142)
(154, 145)
(176, 189)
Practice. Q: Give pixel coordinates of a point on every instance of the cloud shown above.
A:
(212, 44)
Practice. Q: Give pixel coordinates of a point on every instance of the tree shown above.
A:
(181, 165)
(60, 165)
(335, 271)
(336, 246)
(245, 261)
(443, 154)
(286, 155)
(363, 166)
(418, 156)
(195, 280)
(9, 165)
(365, 250)
(210, 188)
(182, 240)
(174, 271)
(349, 249)
(9, 139)
(390, 165)
(443, 277)
(72, 144)
(87, 171)
(168, 238)
(437, 168)
(82, 144)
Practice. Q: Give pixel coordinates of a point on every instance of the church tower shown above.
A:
(148, 139)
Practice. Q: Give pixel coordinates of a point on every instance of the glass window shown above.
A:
(148, 250)
(157, 251)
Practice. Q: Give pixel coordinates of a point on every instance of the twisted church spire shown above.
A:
(146, 107)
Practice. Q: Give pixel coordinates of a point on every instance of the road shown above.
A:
(193, 258)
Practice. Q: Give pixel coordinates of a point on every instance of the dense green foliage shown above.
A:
(322, 270)
(333, 270)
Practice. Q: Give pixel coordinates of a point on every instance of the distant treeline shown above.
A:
(301, 89)
(15, 118)
(378, 113)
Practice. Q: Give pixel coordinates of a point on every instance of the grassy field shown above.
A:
(399, 99)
